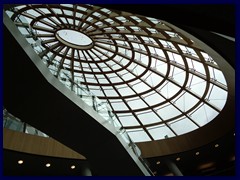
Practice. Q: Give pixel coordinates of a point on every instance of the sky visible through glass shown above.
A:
(74, 37)
(159, 83)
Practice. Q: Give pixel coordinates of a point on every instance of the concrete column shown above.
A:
(173, 167)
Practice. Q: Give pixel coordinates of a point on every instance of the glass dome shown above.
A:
(158, 82)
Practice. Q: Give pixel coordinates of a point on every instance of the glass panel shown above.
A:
(106, 10)
(169, 89)
(115, 79)
(33, 12)
(190, 63)
(219, 76)
(199, 67)
(138, 70)
(211, 113)
(153, 98)
(168, 112)
(9, 13)
(178, 58)
(198, 85)
(155, 21)
(67, 12)
(182, 126)
(218, 97)
(13, 124)
(148, 117)
(44, 10)
(31, 130)
(56, 20)
(136, 18)
(132, 66)
(78, 15)
(179, 75)
(67, 5)
(217, 94)
(121, 18)
(155, 79)
(119, 106)
(97, 92)
(20, 7)
(128, 76)
(111, 92)
(186, 101)
(139, 87)
(162, 68)
(82, 8)
(103, 81)
(128, 120)
(125, 91)
(138, 135)
(160, 132)
(136, 103)
(160, 52)
(199, 116)
(58, 11)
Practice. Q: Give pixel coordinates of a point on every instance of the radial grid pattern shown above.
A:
(158, 82)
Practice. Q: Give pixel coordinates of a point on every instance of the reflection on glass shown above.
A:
(14, 123)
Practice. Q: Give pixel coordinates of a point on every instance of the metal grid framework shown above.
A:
(158, 82)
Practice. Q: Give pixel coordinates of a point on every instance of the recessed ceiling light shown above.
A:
(197, 153)
(20, 162)
(72, 167)
(158, 162)
(178, 159)
(155, 172)
(216, 145)
(233, 134)
(48, 165)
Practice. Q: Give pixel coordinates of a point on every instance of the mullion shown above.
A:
(101, 88)
(64, 15)
(80, 62)
(56, 15)
(125, 103)
(62, 61)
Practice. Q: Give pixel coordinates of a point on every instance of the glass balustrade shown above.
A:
(14, 123)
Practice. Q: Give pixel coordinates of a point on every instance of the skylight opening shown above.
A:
(74, 37)
(152, 76)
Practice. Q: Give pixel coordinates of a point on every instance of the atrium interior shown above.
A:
(99, 85)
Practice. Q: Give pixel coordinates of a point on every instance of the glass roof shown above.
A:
(73, 37)
(158, 83)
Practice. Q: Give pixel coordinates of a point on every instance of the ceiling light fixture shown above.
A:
(73, 167)
(216, 145)
(48, 165)
(158, 162)
(20, 162)
(197, 153)
(178, 159)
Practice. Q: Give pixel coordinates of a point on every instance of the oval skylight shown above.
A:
(73, 38)
(158, 82)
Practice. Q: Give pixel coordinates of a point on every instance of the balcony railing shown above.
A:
(14, 123)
